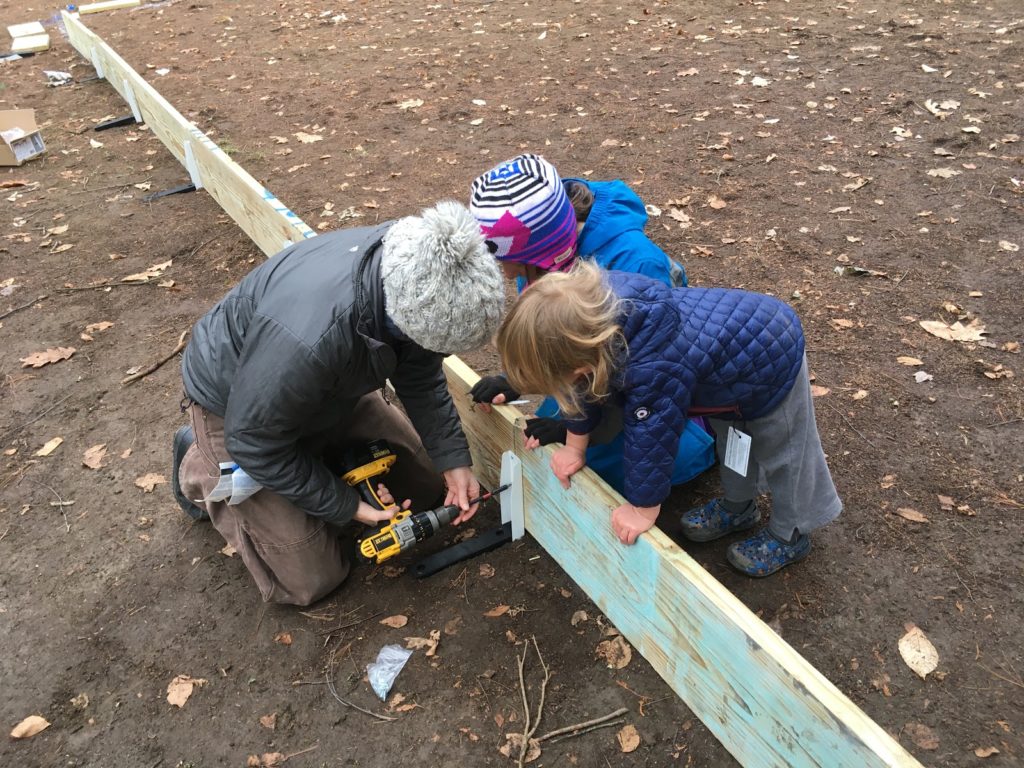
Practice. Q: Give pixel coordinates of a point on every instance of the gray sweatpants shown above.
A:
(786, 453)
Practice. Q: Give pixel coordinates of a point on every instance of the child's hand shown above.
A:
(629, 522)
(566, 462)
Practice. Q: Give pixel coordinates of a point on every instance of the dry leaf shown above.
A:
(150, 481)
(269, 721)
(922, 735)
(514, 744)
(841, 323)
(946, 503)
(97, 327)
(50, 446)
(396, 622)
(905, 360)
(308, 138)
(973, 331)
(428, 644)
(628, 738)
(153, 272)
(95, 144)
(986, 751)
(944, 173)
(716, 202)
(616, 652)
(819, 391)
(918, 652)
(93, 457)
(29, 727)
(922, 376)
(1006, 245)
(410, 103)
(498, 610)
(51, 355)
(283, 638)
(228, 551)
(180, 688)
(486, 571)
(860, 394)
(908, 513)
(578, 618)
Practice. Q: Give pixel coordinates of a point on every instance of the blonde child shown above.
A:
(590, 337)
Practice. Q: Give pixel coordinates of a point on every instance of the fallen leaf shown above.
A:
(51, 355)
(687, 72)
(153, 272)
(918, 652)
(971, 129)
(819, 391)
(95, 144)
(514, 744)
(29, 727)
(395, 622)
(57, 230)
(860, 394)
(427, 643)
(498, 610)
(283, 638)
(616, 652)
(973, 331)
(410, 103)
(1006, 245)
(716, 202)
(180, 688)
(911, 514)
(486, 571)
(946, 503)
(98, 327)
(50, 446)
(944, 173)
(905, 360)
(578, 618)
(149, 481)
(922, 735)
(841, 323)
(93, 457)
(308, 138)
(228, 551)
(269, 721)
(80, 702)
(628, 738)
(986, 751)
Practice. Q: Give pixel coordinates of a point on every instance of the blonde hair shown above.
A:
(563, 322)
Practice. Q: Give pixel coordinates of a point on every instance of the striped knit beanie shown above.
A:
(525, 214)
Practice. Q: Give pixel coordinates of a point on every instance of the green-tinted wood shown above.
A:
(766, 704)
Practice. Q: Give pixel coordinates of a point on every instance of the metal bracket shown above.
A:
(129, 96)
(116, 122)
(192, 166)
(172, 191)
(96, 63)
(512, 501)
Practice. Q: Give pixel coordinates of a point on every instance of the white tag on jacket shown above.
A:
(737, 451)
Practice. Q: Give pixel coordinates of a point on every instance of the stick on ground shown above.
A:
(155, 366)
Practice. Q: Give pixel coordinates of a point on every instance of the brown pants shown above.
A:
(294, 557)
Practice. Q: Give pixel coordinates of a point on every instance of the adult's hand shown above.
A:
(628, 522)
(492, 389)
(370, 515)
(462, 487)
(566, 462)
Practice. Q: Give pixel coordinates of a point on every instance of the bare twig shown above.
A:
(332, 630)
(300, 752)
(529, 730)
(1018, 683)
(155, 366)
(609, 724)
(98, 286)
(61, 502)
(578, 728)
(329, 679)
(847, 422)
(33, 420)
(10, 312)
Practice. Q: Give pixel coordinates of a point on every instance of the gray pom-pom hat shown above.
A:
(442, 287)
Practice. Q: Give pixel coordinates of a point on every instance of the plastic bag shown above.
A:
(234, 485)
(385, 669)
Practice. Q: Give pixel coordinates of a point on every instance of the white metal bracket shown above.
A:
(96, 63)
(512, 499)
(192, 166)
(129, 96)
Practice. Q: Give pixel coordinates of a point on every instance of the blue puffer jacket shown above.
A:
(613, 235)
(729, 353)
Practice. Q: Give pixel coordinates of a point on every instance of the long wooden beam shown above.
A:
(766, 704)
(763, 701)
(262, 216)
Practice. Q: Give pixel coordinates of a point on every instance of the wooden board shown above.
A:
(108, 5)
(30, 43)
(766, 704)
(26, 29)
(262, 216)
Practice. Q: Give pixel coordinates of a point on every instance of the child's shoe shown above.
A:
(183, 440)
(763, 554)
(713, 520)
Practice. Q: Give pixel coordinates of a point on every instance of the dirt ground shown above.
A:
(781, 145)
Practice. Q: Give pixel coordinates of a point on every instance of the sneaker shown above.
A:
(763, 553)
(183, 440)
(713, 520)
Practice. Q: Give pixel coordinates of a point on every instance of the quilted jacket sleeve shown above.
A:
(279, 385)
(423, 390)
(654, 417)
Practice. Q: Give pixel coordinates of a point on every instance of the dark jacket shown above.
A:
(287, 353)
(724, 352)
(613, 234)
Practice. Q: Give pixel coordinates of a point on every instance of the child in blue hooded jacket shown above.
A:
(592, 337)
(535, 223)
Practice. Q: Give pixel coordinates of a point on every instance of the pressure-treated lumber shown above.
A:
(108, 5)
(30, 43)
(766, 704)
(260, 215)
(25, 29)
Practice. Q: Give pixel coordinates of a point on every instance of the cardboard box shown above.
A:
(20, 139)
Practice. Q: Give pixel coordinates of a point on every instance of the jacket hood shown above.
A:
(616, 209)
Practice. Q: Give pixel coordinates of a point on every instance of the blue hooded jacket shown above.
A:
(726, 352)
(613, 235)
